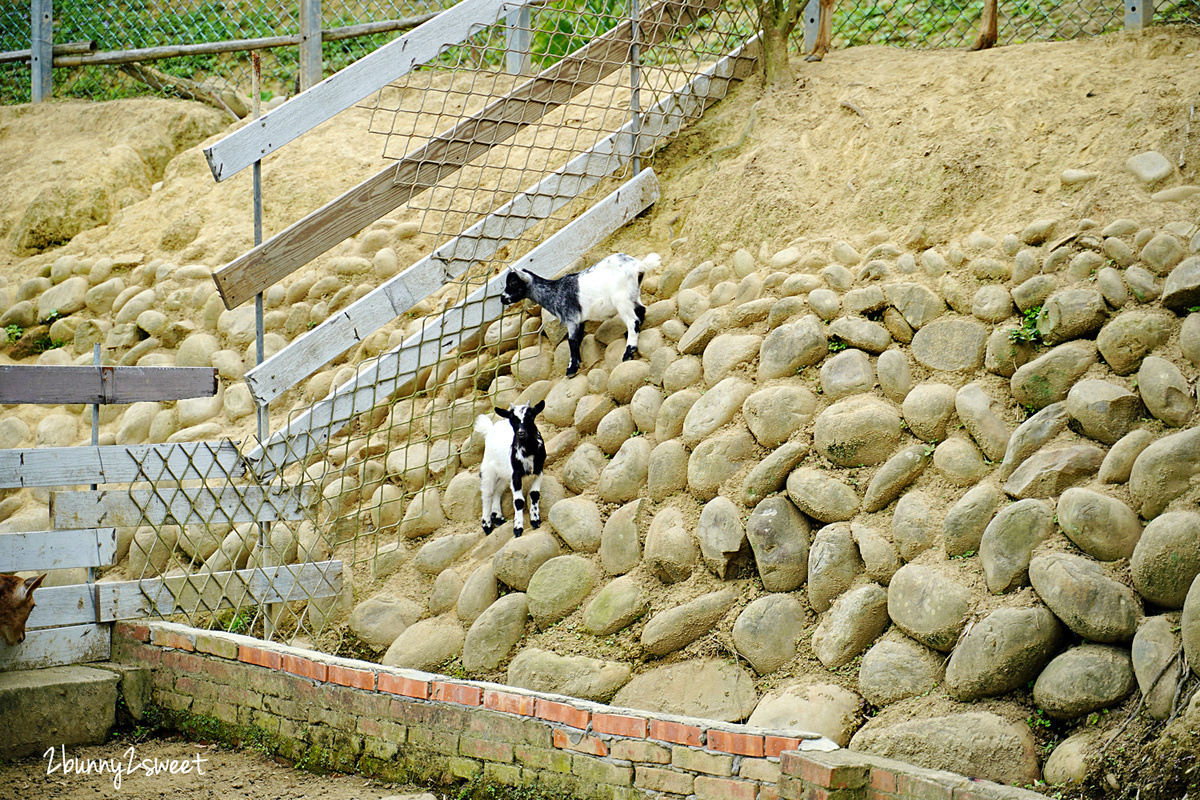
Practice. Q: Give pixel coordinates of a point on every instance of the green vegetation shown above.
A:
(1028, 331)
(14, 332)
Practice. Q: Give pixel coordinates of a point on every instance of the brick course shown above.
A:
(405, 724)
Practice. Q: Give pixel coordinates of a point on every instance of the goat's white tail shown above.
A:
(651, 262)
(482, 425)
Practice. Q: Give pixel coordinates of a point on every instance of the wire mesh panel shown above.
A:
(217, 547)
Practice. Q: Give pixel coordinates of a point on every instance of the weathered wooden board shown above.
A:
(184, 505)
(421, 349)
(186, 594)
(57, 647)
(75, 466)
(344, 330)
(343, 89)
(266, 264)
(41, 550)
(49, 385)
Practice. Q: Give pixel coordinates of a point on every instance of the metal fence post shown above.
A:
(635, 83)
(812, 17)
(310, 44)
(518, 34)
(1138, 14)
(41, 45)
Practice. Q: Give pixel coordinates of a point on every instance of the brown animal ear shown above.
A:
(33, 583)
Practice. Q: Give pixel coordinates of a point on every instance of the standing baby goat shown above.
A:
(610, 286)
(510, 452)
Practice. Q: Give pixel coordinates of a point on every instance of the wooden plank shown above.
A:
(203, 591)
(344, 330)
(74, 466)
(179, 505)
(50, 385)
(295, 246)
(42, 550)
(58, 647)
(343, 89)
(421, 349)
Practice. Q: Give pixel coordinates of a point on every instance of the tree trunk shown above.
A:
(777, 20)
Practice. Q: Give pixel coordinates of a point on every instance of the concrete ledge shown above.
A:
(44, 708)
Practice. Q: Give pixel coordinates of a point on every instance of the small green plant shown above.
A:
(14, 332)
(239, 622)
(836, 346)
(1028, 332)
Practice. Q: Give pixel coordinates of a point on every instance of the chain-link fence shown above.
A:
(559, 26)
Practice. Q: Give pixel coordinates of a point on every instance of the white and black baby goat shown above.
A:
(610, 286)
(512, 450)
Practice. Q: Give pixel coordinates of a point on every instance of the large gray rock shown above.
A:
(1189, 623)
(670, 553)
(951, 344)
(914, 525)
(928, 605)
(478, 592)
(1073, 760)
(770, 475)
(1131, 336)
(853, 622)
(620, 548)
(1084, 679)
(980, 744)
(1031, 434)
(558, 587)
(896, 668)
(672, 413)
(965, 522)
(717, 459)
(823, 708)
(1154, 663)
(765, 632)
(1008, 542)
(494, 634)
(974, 408)
(726, 353)
(1071, 314)
(715, 409)
(791, 347)
(1002, 652)
(614, 607)
(710, 689)
(1165, 391)
(380, 619)
(1048, 378)
(849, 372)
(918, 304)
(833, 562)
(779, 537)
(861, 333)
(1167, 558)
(1105, 411)
(822, 496)
(519, 558)
(1048, 473)
(880, 557)
(1181, 291)
(1088, 602)
(437, 554)
(623, 478)
(425, 645)
(857, 431)
(678, 627)
(722, 538)
(1099, 525)
(775, 413)
(894, 477)
(1119, 462)
(928, 409)
(1163, 471)
(574, 676)
(666, 471)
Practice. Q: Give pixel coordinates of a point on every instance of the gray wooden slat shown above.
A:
(274, 259)
(343, 89)
(74, 466)
(307, 431)
(344, 330)
(52, 385)
(57, 647)
(190, 505)
(42, 550)
(120, 600)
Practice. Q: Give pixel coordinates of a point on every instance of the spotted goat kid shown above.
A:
(512, 450)
(611, 286)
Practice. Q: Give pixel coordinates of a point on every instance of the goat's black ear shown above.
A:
(504, 412)
(539, 407)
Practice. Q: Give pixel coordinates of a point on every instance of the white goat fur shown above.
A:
(496, 475)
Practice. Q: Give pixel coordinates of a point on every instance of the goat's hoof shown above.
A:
(497, 520)
(572, 371)
(517, 534)
(535, 523)
(630, 354)
(814, 57)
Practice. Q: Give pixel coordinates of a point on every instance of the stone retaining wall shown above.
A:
(402, 724)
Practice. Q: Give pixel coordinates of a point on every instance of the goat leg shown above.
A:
(535, 495)
(518, 504)
(574, 340)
